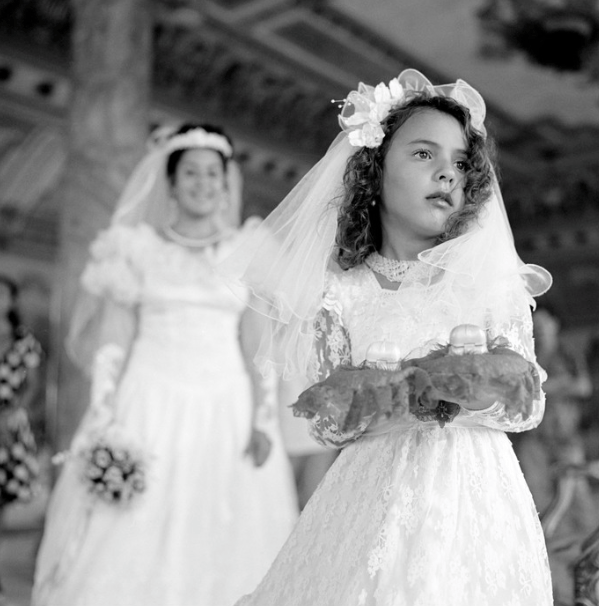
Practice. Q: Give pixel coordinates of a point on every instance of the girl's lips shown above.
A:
(442, 196)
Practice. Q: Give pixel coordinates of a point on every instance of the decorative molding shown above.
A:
(229, 81)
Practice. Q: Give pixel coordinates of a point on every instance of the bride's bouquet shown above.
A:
(110, 466)
(112, 471)
(433, 387)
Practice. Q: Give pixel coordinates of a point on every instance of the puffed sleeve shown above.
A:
(332, 349)
(115, 267)
(519, 335)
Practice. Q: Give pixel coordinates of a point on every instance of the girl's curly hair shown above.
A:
(359, 223)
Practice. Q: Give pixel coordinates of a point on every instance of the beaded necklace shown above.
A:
(175, 236)
(391, 269)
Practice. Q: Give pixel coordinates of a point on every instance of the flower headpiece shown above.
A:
(165, 139)
(364, 109)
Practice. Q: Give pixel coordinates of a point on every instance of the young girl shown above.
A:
(398, 235)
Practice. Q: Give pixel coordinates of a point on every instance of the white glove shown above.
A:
(266, 411)
(106, 370)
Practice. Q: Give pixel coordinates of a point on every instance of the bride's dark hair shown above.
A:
(359, 222)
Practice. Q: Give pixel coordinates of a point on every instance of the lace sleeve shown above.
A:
(520, 336)
(332, 349)
(332, 344)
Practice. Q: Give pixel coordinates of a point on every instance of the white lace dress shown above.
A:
(210, 523)
(420, 515)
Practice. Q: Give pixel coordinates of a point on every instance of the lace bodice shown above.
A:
(181, 305)
(357, 312)
(136, 266)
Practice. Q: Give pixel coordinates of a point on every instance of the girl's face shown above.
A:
(199, 183)
(424, 176)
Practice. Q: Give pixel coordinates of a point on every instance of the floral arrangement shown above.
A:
(112, 471)
(110, 467)
(19, 468)
(431, 388)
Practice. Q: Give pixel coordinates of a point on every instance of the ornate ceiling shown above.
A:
(267, 69)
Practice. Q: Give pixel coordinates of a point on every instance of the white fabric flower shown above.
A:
(385, 98)
(370, 107)
(370, 135)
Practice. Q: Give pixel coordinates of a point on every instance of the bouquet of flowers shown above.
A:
(112, 469)
(433, 387)
(19, 468)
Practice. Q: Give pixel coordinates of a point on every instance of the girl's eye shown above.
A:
(423, 154)
(462, 165)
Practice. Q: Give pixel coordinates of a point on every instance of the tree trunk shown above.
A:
(107, 129)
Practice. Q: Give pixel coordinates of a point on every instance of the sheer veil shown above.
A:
(286, 261)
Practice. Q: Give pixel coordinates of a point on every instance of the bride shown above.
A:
(168, 347)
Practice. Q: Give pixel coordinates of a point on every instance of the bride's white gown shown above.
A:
(210, 523)
(420, 515)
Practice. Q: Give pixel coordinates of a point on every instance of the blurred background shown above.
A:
(83, 82)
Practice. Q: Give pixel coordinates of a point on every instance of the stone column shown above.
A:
(107, 129)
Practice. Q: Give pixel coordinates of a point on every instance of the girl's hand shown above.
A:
(258, 447)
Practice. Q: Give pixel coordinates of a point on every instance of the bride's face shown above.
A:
(199, 183)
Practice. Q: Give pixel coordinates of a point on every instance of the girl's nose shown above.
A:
(446, 173)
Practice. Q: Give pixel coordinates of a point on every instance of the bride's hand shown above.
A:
(258, 447)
